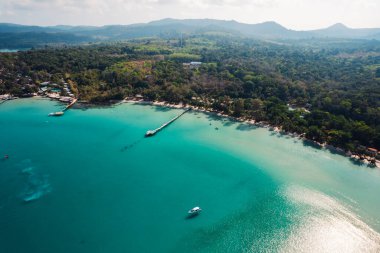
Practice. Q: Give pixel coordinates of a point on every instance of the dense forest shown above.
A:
(327, 90)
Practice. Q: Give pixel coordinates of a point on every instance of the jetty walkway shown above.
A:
(150, 133)
(71, 104)
(64, 109)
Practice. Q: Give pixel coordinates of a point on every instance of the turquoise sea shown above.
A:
(90, 182)
(6, 50)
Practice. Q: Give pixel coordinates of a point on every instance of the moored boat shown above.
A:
(194, 211)
(56, 114)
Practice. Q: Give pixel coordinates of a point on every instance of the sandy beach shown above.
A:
(358, 158)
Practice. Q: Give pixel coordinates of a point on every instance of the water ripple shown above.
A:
(37, 184)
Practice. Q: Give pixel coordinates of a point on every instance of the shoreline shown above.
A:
(354, 157)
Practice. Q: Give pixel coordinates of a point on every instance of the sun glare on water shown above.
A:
(327, 226)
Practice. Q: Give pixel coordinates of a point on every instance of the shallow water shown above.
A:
(6, 50)
(97, 185)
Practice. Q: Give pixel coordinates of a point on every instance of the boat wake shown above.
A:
(37, 185)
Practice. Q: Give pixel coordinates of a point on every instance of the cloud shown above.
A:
(296, 14)
(86, 5)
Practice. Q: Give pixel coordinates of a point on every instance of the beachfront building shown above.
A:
(44, 83)
(5, 97)
(193, 64)
(372, 152)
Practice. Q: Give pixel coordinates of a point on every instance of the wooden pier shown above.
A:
(150, 133)
(64, 109)
(71, 104)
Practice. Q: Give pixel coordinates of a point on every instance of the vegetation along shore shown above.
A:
(328, 93)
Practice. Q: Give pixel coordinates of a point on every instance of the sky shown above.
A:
(293, 14)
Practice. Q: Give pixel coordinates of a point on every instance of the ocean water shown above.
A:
(6, 50)
(90, 182)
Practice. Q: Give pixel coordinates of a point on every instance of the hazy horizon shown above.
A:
(292, 14)
(149, 21)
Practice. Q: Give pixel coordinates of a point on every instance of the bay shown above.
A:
(90, 182)
(7, 50)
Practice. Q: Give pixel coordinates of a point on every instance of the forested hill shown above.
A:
(19, 36)
(330, 91)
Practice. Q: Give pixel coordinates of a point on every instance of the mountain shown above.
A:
(269, 29)
(68, 28)
(14, 28)
(12, 34)
(341, 31)
(25, 40)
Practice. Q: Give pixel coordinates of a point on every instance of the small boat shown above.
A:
(56, 113)
(195, 210)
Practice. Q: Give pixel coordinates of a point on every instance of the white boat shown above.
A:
(56, 113)
(195, 210)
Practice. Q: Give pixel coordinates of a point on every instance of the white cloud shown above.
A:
(296, 14)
